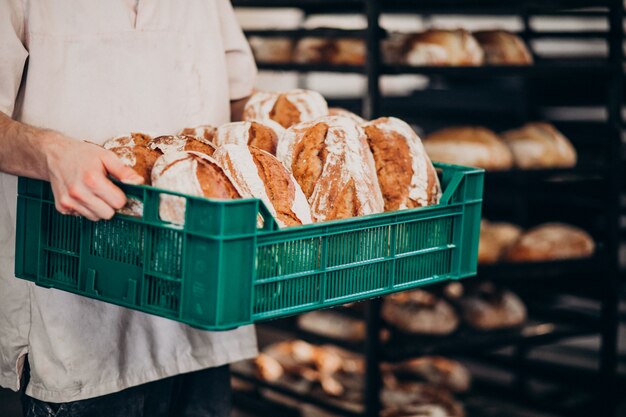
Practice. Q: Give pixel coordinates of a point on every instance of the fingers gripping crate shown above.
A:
(221, 270)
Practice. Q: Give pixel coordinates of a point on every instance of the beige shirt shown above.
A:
(97, 69)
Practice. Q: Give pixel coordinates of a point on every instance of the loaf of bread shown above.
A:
(410, 399)
(551, 241)
(345, 51)
(179, 143)
(271, 50)
(419, 312)
(442, 47)
(258, 174)
(333, 164)
(288, 108)
(261, 134)
(338, 111)
(503, 48)
(140, 158)
(130, 140)
(489, 308)
(540, 145)
(406, 176)
(471, 146)
(435, 370)
(203, 133)
(192, 173)
(495, 239)
(334, 325)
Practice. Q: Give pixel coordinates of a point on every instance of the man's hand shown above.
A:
(78, 171)
(78, 174)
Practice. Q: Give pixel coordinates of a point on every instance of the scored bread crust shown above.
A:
(419, 312)
(261, 134)
(406, 175)
(130, 140)
(540, 145)
(178, 143)
(339, 111)
(490, 308)
(551, 241)
(192, 173)
(330, 159)
(201, 132)
(442, 47)
(258, 174)
(140, 158)
(437, 371)
(503, 48)
(287, 108)
(469, 145)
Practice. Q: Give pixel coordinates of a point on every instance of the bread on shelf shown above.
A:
(487, 307)
(330, 159)
(419, 312)
(469, 145)
(258, 174)
(441, 47)
(550, 242)
(503, 48)
(405, 173)
(540, 145)
(260, 134)
(435, 370)
(271, 50)
(286, 108)
(495, 239)
(334, 51)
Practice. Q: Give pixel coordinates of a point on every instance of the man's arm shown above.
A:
(77, 170)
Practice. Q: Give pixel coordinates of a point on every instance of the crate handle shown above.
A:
(451, 188)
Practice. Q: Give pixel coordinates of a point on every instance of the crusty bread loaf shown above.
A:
(192, 173)
(442, 47)
(179, 143)
(130, 140)
(503, 48)
(472, 146)
(268, 368)
(540, 145)
(489, 308)
(436, 370)
(411, 399)
(271, 50)
(345, 51)
(203, 132)
(140, 158)
(331, 324)
(258, 174)
(338, 111)
(419, 312)
(333, 164)
(551, 241)
(261, 134)
(406, 176)
(287, 108)
(495, 240)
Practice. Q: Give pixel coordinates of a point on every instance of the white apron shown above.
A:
(97, 69)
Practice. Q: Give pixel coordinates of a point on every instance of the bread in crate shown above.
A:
(503, 48)
(201, 132)
(261, 134)
(339, 111)
(258, 174)
(179, 143)
(405, 173)
(330, 159)
(286, 108)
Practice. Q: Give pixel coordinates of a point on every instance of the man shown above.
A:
(74, 70)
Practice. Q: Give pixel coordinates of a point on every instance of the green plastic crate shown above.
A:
(221, 271)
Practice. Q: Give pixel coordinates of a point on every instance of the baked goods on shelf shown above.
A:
(274, 50)
(406, 176)
(540, 145)
(435, 370)
(419, 312)
(258, 174)
(503, 48)
(551, 241)
(330, 159)
(467, 145)
(487, 307)
(338, 111)
(261, 134)
(332, 324)
(286, 108)
(192, 173)
(203, 132)
(335, 51)
(441, 47)
(495, 239)
(409, 399)
(178, 143)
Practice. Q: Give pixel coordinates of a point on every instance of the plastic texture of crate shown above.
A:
(220, 270)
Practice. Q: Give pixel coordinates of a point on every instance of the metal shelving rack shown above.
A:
(548, 82)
